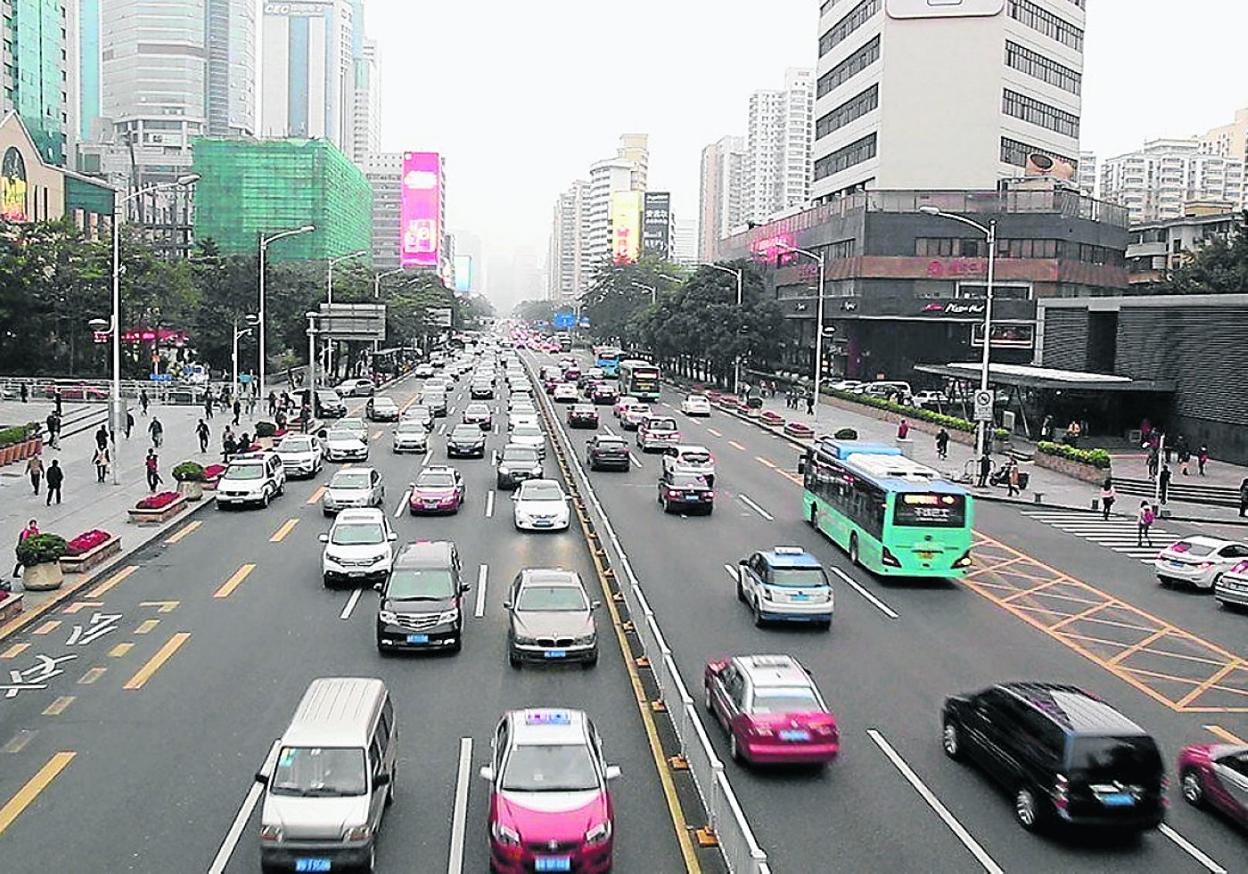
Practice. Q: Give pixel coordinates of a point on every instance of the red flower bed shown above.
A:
(86, 541)
(214, 471)
(157, 502)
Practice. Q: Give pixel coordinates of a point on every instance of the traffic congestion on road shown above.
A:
(399, 653)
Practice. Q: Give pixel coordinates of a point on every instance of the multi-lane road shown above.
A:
(143, 708)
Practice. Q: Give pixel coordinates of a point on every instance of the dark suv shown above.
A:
(1064, 755)
(421, 605)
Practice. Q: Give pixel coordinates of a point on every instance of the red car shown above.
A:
(1216, 776)
(437, 490)
(582, 416)
(771, 709)
(605, 393)
(686, 492)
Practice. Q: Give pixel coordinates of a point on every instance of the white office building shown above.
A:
(1156, 182)
(685, 242)
(778, 146)
(366, 139)
(567, 270)
(721, 194)
(384, 171)
(918, 95)
(605, 178)
(1088, 178)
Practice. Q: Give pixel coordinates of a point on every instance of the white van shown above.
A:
(332, 780)
(886, 390)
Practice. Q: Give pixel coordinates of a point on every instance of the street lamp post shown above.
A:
(329, 294)
(990, 233)
(740, 275)
(377, 296)
(818, 323)
(264, 248)
(250, 320)
(653, 289)
(118, 414)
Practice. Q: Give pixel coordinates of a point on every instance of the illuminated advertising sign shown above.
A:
(771, 248)
(421, 210)
(625, 226)
(656, 224)
(463, 274)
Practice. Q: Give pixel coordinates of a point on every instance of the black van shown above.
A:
(1065, 756)
(422, 601)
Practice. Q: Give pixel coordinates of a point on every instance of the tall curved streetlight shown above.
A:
(990, 232)
(329, 298)
(820, 260)
(118, 414)
(265, 242)
(377, 277)
(739, 273)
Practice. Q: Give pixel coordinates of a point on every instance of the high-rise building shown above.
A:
(36, 71)
(1230, 140)
(608, 177)
(1156, 182)
(685, 242)
(230, 67)
(367, 120)
(636, 148)
(384, 172)
(568, 269)
(721, 193)
(308, 70)
(82, 110)
(944, 96)
(778, 138)
(252, 187)
(1089, 183)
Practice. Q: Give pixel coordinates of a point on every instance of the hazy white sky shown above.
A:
(522, 97)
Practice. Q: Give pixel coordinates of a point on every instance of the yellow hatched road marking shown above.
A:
(36, 784)
(164, 606)
(79, 605)
(1225, 735)
(107, 585)
(14, 651)
(155, 662)
(317, 495)
(234, 581)
(1208, 684)
(146, 626)
(185, 531)
(120, 650)
(48, 627)
(59, 706)
(280, 534)
(91, 676)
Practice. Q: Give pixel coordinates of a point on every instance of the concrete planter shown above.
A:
(92, 558)
(1085, 472)
(192, 490)
(769, 417)
(10, 606)
(210, 485)
(157, 517)
(799, 430)
(42, 577)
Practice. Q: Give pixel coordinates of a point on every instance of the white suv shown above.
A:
(657, 432)
(687, 458)
(252, 478)
(359, 548)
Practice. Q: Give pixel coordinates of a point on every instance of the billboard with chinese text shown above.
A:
(625, 226)
(421, 210)
(656, 224)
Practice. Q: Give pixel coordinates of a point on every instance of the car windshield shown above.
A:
(327, 396)
(798, 577)
(358, 534)
(639, 410)
(661, 425)
(695, 457)
(295, 444)
(551, 599)
(244, 471)
(541, 492)
(467, 432)
(925, 510)
(350, 479)
(785, 699)
(412, 427)
(549, 768)
(1195, 550)
(1134, 759)
(383, 404)
(697, 399)
(416, 584)
(341, 435)
(477, 410)
(319, 772)
(526, 431)
(520, 456)
(436, 481)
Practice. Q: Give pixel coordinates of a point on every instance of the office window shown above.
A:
(850, 67)
(844, 158)
(1016, 153)
(1036, 112)
(1042, 20)
(1045, 69)
(856, 18)
(850, 110)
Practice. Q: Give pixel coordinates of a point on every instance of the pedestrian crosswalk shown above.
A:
(1116, 532)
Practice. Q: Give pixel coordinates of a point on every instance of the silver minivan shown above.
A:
(331, 780)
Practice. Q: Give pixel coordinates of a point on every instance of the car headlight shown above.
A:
(448, 616)
(358, 833)
(599, 833)
(332, 559)
(380, 558)
(270, 834)
(522, 640)
(586, 639)
(505, 834)
(389, 617)
(769, 593)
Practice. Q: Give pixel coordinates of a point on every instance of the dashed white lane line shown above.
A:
(732, 573)
(636, 461)
(1192, 850)
(459, 813)
(398, 511)
(713, 431)
(935, 804)
(871, 599)
(483, 574)
(489, 504)
(745, 499)
(351, 602)
(240, 820)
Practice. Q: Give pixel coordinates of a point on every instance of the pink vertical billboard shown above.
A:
(420, 210)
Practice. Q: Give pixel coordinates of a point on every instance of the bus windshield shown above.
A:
(639, 379)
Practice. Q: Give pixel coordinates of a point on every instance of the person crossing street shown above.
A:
(56, 478)
(201, 431)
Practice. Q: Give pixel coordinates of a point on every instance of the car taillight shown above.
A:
(761, 730)
(825, 730)
(887, 558)
(1206, 564)
(1060, 787)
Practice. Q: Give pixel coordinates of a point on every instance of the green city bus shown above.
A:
(893, 516)
(639, 379)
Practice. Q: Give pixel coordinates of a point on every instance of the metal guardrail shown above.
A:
(726, 819)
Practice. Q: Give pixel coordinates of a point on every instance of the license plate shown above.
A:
(795, 734)
(313, 864)
(1117, 799)
(556, 653)
(552, 863)
(418, 638)
(1178, 564)
(355, 573)
(542, 523)
(926, 555)
(799, 597)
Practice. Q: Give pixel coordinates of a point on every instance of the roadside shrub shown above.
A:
(14, 434)
(265, 429)
(41, 549)
(1096, 457)
(189, 472)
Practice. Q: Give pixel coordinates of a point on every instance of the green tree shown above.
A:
(1218, 267)
(614, 297)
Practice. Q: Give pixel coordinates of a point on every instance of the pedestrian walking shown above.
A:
(1153, 463)
(305, 417)
(1144, 518)
(24, 391)
(272, 402)
(1164, 479)
(157, 431)
(251, 405)
(1046, 429)
(1168, 448)
(208, 403)
(238, 410)
(101, 463)
(228, 444)
(201, 431)
(129, 423)
(942, 443)
(31, 530)
(101, 437)
(1202, 458)
(144, 400)
(1073, 432)
(1185, 457)
(903, 429)
(152, 465)
(280, 420)
(1012, 478)
(1243, 497)
(810, 404)
(58, 400)
(985, 468)
(34, 470)
(1108, 496)
(56, 478)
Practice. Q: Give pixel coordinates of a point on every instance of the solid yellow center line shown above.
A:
(234, 581)
(120, 650)
(36, 784)
(107, 585)
(48, 627)
(154, 663)
(146, 626)
(317, 495)
(91, 676)
(163, 606)
(287, 527)
(59, 706)
(79, 605)
(1225, 735)
(185, 531)
(735, 445)
(14, 651)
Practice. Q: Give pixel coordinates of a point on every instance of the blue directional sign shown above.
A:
(584, 322)
(162, 377)
(565, 320)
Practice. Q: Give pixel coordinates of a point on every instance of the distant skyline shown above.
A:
(522, 98)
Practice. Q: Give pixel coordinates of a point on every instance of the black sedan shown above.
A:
(687, 492)
(607, 452)
(466, 441)
(582, 416)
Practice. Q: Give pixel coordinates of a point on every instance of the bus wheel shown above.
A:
(853, 549)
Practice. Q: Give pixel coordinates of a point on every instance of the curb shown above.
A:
(68, 592)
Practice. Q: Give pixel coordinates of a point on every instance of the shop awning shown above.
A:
(1026, 376)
